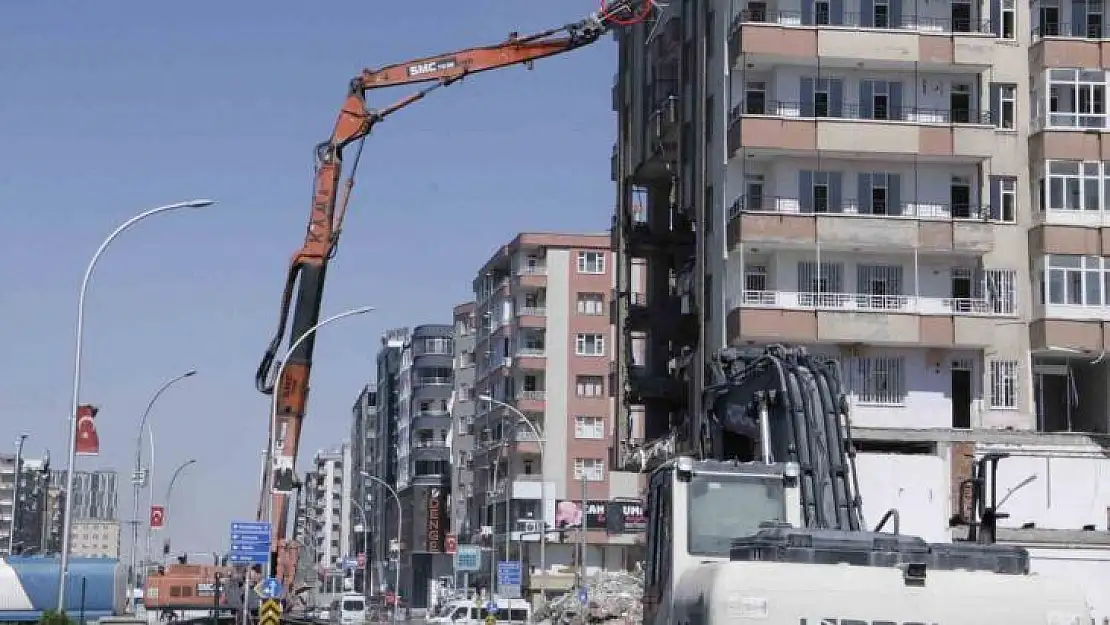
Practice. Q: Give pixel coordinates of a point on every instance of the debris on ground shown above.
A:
(615, 598)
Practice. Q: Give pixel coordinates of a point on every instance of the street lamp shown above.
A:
(365, 547)
(543, 479)
(397, 564)
(169, 494)
(16, 507)
(67, 519)
(138, 479)
(270, 446)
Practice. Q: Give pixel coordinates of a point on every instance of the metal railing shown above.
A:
(909, 304)
(1067, 29)
(865, 21)
(851, 207)
(833, 109)
(532, 352)
(532, 311)
(531, 396)
(532, 270)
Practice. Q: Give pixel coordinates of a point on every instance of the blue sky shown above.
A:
(108, 108)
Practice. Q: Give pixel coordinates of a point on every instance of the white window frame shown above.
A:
(1084, 89)
(879, 381)
(1007, 190)
(590, 427)
(592, 304)
(1067, 180)
(590, 469)
(590, 386)
(1007, 95)
(589, 345)
(591, 262)
(1075, 274)
(1008, 10)
(1004, 385)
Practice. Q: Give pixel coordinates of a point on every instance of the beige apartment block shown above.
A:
(921, 189)
(544, 345)
(95, 538)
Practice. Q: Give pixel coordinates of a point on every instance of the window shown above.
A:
(1003, 206)
(710, 34)
(1075, 185)
(1003, 105)
(589, 345)
(880, 380)
(880, 99)
(590, 385)
(879, 287)
(1008, 28)
(709, 213)
(591, 304)
(880, 194)
(591, 262)
(822, 97)
(821, 287)
(589, 427)
(1004, 384)
(1075, 280)
(820, 192)
(589, 469)
(438, 345)
(755, 98)
(1076, 98)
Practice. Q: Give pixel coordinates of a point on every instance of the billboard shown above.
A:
(615, 517)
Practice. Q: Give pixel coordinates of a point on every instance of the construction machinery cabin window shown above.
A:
(724, 507)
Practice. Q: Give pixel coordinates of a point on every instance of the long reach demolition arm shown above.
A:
(305, 280)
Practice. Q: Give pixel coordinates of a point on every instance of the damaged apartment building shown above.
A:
(915, 188)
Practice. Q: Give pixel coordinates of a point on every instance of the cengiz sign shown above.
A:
(614, 517)
(435, 520)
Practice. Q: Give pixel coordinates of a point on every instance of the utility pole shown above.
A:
(14, 526)
(582, 536)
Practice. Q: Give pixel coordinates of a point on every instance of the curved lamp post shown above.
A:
(365, 548)
(543, 479)
(397, 565)
(138, 479)
(270, 447)
(67, 519)
(169, 494)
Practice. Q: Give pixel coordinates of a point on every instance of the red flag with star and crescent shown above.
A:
(88, 441)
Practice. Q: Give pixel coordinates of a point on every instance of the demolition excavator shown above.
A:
(302, 296)
(767, 524)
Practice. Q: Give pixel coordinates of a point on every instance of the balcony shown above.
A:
(854, 130)
(930, 41)
(531, 276)
(532, 317)
(662, 135)
(925, 226)
(1060, 43)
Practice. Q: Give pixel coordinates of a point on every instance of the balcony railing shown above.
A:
(903, 22)
(853, 208)
(429, 444)
(909, 304)
(857, 111)
(434, 379)
(531, 396)
(1067, 29)
(532, 311)
(532, 270)
(531, 352)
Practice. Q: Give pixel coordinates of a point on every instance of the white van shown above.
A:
(473, 612)
(348, 610)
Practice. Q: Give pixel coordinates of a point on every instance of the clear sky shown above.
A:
(110, 107)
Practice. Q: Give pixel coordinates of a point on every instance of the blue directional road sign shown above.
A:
(491, 607)
(468, 558)
(269, 588)
(583, 595)
(250, 542)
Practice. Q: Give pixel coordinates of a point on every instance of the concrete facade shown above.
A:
(544, 346)
(95, 538)
(331, 487)
(464, 517)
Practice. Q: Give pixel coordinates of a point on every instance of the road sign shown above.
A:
(451, 543)
(250, 542)
(269, 613)
(583, 595)
(491, 607)
(509, 577)
(157, 517)
(468, 558)
(269, 588)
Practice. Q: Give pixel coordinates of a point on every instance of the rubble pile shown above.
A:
(612, 597)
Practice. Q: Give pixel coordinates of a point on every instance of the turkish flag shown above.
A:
(157, 517)
(88, 442)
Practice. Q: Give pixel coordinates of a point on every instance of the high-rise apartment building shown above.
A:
(543, 347)
(917, 189)
(96, 538)
(464, 517)
(330, 482)
(383, 512)
(95, 493)
(34, 507)
(364, 450)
